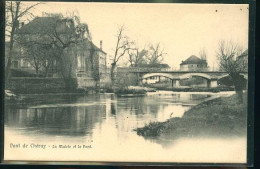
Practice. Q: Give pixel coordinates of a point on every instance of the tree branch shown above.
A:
(27, 9)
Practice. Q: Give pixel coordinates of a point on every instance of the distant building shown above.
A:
(243, 58)
(155, 79)
(194, 63)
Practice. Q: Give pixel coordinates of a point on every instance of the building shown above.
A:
(109, 61)
(91, 64)
(194, 63)
(88, 60)
(156, 79)
(243, 59)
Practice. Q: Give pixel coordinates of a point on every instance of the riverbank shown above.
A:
(194, 89)
(133, 90)
(220, 116)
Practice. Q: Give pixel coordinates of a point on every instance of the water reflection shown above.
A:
(81, 116)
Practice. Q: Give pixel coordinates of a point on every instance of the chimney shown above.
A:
(101, 44)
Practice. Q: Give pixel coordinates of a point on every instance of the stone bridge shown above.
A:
(175, 76)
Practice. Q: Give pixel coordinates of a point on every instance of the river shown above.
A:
(101, 128)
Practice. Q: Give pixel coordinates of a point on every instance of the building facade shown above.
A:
(193, 63)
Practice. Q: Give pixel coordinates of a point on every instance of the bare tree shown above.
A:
(48, 56)
(156, 54)
(41, 57)
(62, 34)
(32, 55)
(123, 45)
(15, 11)
(227, 54)
(137, 56)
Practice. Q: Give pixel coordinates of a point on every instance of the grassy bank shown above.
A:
(220, 116)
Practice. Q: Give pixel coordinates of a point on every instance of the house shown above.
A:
(109, 61)
(193, 63)
(88, 60)
(243, 59)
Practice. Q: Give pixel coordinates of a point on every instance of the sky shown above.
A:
(181, 29)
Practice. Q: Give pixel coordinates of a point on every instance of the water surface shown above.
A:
(104, 124)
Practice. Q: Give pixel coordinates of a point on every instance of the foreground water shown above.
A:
(100, 128)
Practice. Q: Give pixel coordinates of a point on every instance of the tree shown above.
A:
(48, 56)
(15, 11)
(203, 54)
(227, 54)
(123, 45)
(61, 35)
(39, 56)
(31, 54)
(137, 56)
(156, 54)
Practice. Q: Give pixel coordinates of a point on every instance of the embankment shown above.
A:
(220, 116)
(193, 89)
(39, 85)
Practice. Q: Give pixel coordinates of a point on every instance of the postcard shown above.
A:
(126, 82)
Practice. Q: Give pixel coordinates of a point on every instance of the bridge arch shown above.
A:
(188, 75)
(227, 75)
(167, 75)
(223, 76)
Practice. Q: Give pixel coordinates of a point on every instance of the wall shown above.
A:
(184, 67)
(36, 85)
(193, 67)
(105, 80)
(86, 82)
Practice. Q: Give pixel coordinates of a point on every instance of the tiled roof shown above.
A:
(42, 25)
(87, 43)
(193, 60)
(245, 53)
(39, 25)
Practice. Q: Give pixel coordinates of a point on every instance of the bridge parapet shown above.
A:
(144, 73)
